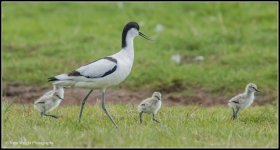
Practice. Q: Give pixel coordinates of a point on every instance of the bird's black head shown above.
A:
(134, 28)
(131, 25)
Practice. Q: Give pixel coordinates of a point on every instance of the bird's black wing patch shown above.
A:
(235, 102)
(109, 71)
(52, 79)
(106, 73)
(74, 73)
(111, 59)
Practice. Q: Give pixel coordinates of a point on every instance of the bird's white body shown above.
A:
(124, 58)
(49, 100)
(244, 100)
(150, 105)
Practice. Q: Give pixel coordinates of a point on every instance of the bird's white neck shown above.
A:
(129, 48)
(249, 93)
(57, 89)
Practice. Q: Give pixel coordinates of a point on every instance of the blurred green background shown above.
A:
(238, 41)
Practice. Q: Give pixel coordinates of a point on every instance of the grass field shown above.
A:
(239, 42)
(191, 126)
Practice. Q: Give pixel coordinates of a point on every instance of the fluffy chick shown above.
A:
(49, 101)
(150, 105)
(243, 100)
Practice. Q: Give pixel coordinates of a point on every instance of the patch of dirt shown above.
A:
(21, 93)
(175, 86)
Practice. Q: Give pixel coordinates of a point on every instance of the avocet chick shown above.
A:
(150, 105)
(244, 100)
(50, 101)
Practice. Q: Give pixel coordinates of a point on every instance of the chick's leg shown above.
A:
(155, 119)
(140, 116)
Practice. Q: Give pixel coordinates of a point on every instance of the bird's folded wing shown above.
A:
(97, 69)
(45, 97)
(145, 104)
(237, 99)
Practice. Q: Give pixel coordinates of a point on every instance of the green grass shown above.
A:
(238, 41)
(181, 126)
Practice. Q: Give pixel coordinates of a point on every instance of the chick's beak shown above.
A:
(257, 90)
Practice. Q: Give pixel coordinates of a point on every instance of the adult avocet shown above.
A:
(105, 72)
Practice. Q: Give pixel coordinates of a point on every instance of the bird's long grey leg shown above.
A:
(233, 114)
(83, 103)
(155, 119)
(104, 108)
(140, 117)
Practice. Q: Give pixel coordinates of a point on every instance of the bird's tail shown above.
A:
(52, 79)
(60, 77)
(62, 80)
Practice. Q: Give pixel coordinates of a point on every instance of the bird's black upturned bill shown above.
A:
(145, 36)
